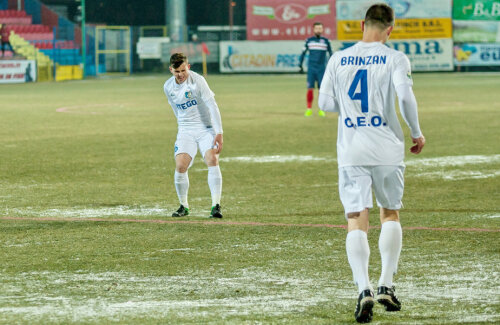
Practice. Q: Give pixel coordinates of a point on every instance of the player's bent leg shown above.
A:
(358, 220)
(211, 158)
(182, 162)
(390, 243)
(214, 182)
(181, 180)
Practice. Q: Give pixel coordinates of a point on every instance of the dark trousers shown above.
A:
(6, 44)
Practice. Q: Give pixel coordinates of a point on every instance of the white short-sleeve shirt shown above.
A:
(362, 79)
(188, 102)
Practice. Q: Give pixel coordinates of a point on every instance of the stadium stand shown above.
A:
(45, 37)
(14, 17)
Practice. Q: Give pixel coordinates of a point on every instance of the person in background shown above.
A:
(5, 34)
(317, 46)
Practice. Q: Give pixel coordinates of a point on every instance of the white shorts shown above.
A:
(355, 187)
(190, 142)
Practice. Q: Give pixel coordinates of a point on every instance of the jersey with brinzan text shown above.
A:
(363, 79)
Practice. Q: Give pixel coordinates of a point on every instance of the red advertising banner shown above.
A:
(289, 19)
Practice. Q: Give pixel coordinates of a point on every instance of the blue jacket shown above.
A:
(317, 47)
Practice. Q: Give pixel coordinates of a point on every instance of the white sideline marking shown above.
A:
(487, 216)
(427, 166)
(77, 109)
(460, 175)
(445, 161)
(448, 161)
(275, 159)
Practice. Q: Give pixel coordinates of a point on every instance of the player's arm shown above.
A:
(408, 107)
(329, 48)
(165, 90)
(326, 99)
(208, 98)
(407, 102)
(327, 103)
(216, 123)
(303, 55)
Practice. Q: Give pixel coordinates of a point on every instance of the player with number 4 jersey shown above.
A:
(361, 83)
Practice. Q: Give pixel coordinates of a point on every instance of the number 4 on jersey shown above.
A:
(361, 76)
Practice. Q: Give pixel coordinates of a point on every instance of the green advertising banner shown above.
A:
(476, 9)
(476, 31)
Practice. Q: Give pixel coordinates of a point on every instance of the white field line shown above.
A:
(460, 175)
(419, 167)
(449, 161)
(80, 109)
(275, 159)
(486, 216)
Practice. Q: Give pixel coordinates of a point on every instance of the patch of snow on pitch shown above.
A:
(453, 161)
(275, 159)
(486, 216)
(122, 211)
(443, 167)
(159, 297)
(460, 175)
(118, 296)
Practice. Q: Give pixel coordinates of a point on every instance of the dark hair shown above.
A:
(379, 15)
(317, 24)
(177, 59)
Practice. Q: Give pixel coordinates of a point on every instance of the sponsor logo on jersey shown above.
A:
(187, 104)
(362, 121)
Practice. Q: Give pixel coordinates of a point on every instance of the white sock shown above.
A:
(358, 254)
(389, 243)
(215, 184)
(181, 181)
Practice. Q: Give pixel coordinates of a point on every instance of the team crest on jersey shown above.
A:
(188, 94)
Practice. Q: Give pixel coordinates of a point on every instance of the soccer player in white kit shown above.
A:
(199, 127)
(360, 83)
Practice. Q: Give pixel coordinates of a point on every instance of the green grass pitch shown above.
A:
(86, 191)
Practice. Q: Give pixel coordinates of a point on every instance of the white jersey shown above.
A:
(189, 103)
(362, 79)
